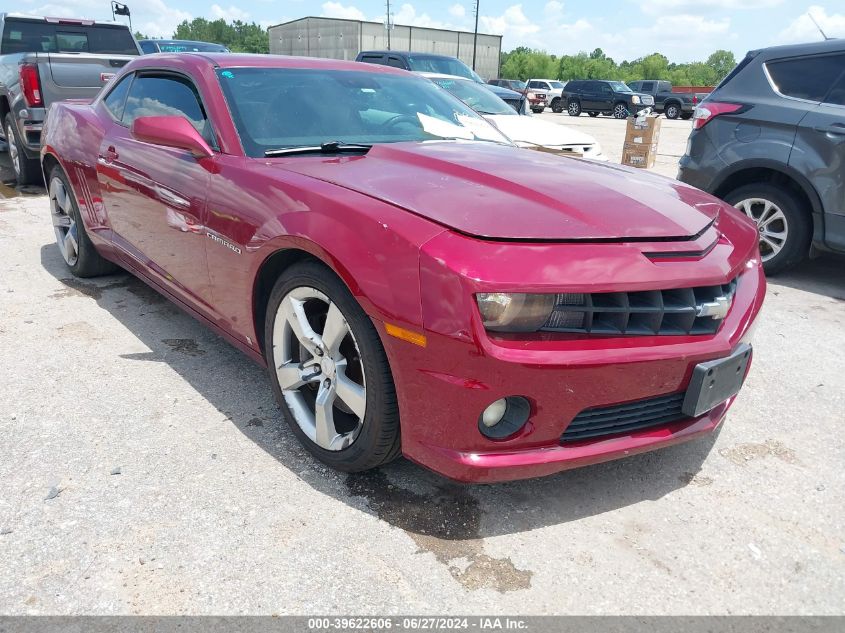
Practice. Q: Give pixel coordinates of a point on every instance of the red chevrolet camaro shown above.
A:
(415, 284)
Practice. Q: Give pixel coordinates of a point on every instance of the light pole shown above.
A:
(475, 35)
(387, 25)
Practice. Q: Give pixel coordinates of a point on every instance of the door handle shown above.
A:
(110, 154)
(836, 128)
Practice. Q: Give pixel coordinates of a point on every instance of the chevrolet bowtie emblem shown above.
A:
(717, 309)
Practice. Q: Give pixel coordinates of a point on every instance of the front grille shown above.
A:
(648, 100)
(625, 418)
(678, 311)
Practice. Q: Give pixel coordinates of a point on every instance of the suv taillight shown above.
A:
(709, 110)
(31, 85)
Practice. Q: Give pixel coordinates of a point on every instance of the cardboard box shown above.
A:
(646, 133)
(638, 155)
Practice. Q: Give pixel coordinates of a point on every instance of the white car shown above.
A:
(523, 129)
(553, 89)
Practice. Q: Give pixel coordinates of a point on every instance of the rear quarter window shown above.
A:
(807, 78)
(33, 36)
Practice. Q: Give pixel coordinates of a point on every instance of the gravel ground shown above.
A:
(145, 471)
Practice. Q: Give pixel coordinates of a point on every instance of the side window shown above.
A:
(536, 85)
(837, 93)
(605, 90)
(116, 99)
(646, 86)
(166, 95)
(373, 59)
(395, 62)
(806, 77)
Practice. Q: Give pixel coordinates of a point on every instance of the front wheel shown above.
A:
(783, 226)
(620, 111)
(27, 170)
(329, 371)
(557, 106)
(673, 111)
(574, 108)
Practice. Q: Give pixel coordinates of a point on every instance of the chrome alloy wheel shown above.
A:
(574, 108)
(13, 149)
(61, 210)
(319, 368)
(620, 111)
(772, 226)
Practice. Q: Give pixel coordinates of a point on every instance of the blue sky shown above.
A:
(684, 30)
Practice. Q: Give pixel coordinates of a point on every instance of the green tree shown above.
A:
(721, 63)
(238, 36)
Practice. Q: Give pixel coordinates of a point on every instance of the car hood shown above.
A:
(527, 129)
(503, 192)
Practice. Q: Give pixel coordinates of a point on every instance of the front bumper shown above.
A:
(444, 387)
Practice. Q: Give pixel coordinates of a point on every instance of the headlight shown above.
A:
(635, 99)
(514, 312)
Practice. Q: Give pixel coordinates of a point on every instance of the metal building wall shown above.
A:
(344, 39)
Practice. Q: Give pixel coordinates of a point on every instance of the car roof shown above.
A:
(496, 90)
(246, 60)
(807, 48)
(407, 54)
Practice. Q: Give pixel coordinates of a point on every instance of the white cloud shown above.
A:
(337, 10)
(228, 14)
(151, 17)
(457, 10)
(513, 24)
(802, 29)
(553, 10)
(664, 7)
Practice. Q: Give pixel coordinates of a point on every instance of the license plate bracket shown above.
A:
(715, 381)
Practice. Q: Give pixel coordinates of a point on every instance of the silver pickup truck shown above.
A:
(44, 60)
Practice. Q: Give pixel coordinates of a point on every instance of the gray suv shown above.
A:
(770, 140)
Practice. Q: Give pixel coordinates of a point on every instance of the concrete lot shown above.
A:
(145, 469)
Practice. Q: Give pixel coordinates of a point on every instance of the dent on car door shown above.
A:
(155, 196)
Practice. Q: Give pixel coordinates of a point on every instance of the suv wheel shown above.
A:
(620, 111)
(574, 108)
(783, 226)
(27, 170)
(673, 111)
(557, 106)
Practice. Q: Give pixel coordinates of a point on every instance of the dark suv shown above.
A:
(596, 96)
(770, 140)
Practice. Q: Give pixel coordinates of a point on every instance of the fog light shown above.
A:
(504, 417)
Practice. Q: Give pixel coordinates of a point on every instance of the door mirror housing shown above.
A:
(171, 131)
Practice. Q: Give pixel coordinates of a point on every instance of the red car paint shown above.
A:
(415, 230)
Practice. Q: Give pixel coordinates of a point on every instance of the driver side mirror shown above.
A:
(171, 131)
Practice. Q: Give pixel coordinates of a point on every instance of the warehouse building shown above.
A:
(343, 39)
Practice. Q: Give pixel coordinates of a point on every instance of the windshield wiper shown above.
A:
(328, 147)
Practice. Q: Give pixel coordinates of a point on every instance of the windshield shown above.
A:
(476, 96)
(618, 86)
(556, 85)
(441, 65)
(275, 108)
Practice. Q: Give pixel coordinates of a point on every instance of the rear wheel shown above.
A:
(557, 106)
(27, 170)
(574, 108)
(329, 371)
(673, 111)
(782, 225)
(74, 244)
(620, 111)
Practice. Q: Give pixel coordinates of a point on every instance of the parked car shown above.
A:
(526, 130)
(44, 60)
(537, 100)
(180, 46)
(770, 140)
(414, 282)
(553, 89)
(612, 98)
(675, 105)
(419, 62)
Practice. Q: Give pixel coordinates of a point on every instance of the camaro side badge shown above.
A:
(223, 242)
(718, 308)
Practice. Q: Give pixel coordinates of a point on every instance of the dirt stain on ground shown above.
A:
(744, 453)
(446, 523)
(696, 479)
(187, 346)
(78, 288)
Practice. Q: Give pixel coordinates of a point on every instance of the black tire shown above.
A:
(88, 262)
(27, 170)
(573, 108)
(620, 110)
(686, 116)
(378, 441)
(538, 110)
(557, 105)
(672, 110)
(797, 223)
(593, 114)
